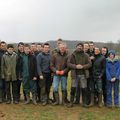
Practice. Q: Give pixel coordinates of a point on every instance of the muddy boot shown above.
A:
(64, 102)
(56, 95)
(27, 99)
(92, 100)
(84, 97)
(34, 99)
(1, 100)
(100, 100)
(72, 97)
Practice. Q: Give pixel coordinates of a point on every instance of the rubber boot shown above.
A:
(84, 97)
(72, 97)
(34, 99)
(78, 92)
(27, 99)
(100, 100)
(92, 100)
(56, 95)
(64, 102)
(1, 100)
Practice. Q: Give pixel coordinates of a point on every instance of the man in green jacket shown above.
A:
(8, 72)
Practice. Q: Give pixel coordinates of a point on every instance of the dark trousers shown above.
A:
(38, 90)
(45, 85)
(104, 90)
(29, 86)
(11, 85)
(2, 89)
(90, 88)
(19, 87)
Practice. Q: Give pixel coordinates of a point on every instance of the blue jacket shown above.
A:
(112, 69)
(43, 63)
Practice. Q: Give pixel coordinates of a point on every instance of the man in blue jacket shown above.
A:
(44, 72)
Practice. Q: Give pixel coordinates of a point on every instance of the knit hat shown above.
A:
(111, 51)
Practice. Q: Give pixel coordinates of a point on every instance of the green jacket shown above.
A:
(8, 66)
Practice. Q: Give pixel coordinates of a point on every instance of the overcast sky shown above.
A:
(42, 20)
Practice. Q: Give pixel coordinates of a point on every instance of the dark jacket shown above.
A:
(98, 66)
(83, 60)
(2, 52)
(43, 63)
(112, 69)
(59, 62)
(30, 69)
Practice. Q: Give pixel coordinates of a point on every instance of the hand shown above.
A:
(41, 77)
(57, 72)
(113, 80)
(79, 66)
(92, 57)
(34, 78)
(61, 72)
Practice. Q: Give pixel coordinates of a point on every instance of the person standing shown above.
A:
(79, 62)
(3, 48)
(29, 74)
(98, 72)
(59, 68)
(9, 73)
(44, 72)
(104, 52)
(112, 77)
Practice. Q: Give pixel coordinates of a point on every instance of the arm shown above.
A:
(39, 60)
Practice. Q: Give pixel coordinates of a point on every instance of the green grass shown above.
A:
(49, 112)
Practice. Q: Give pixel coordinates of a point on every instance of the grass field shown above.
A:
(49, 112)
(31, 112)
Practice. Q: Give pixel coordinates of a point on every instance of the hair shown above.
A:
(20, 43)
(91, 42)
(2, 42)
(60, 40)
(79, 44)
(10, 46)
(26, 45)
(46, 44)
(39, 44)
(33, 43)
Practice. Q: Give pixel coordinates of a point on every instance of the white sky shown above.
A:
(42, 20)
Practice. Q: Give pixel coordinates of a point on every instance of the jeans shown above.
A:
(56, 81)
(115, 86)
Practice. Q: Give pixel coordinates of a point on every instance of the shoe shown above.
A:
(8, 102)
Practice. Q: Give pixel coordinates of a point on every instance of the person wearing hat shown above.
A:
(112, 75)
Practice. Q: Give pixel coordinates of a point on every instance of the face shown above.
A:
(10, 50)
(97, 51)
(59, 42)
(33, 47)
(46, 48)
(39, 48)
(26, 50)
(91, 46)
(79, 48)
(111, 56)
(86, 47)
(62, 48)
(104, 51)
(3, 46)
(21, 48)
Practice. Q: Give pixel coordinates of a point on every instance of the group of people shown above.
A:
(94, 74)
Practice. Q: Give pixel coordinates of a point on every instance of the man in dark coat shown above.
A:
(98, 72)
(80, 61)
